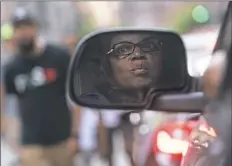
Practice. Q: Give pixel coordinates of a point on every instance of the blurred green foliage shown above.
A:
(6, 31)
(87, 25)
(184, 20)
(200, 14)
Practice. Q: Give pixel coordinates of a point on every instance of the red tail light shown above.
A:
(167, 144)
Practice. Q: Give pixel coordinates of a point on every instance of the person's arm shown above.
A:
(2, 108)
(103, 137)
(75, 120)
(7, 87)
(2, 102)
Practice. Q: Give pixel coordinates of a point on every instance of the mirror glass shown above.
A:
(127, 68)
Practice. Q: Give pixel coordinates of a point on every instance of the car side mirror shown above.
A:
(132, 69)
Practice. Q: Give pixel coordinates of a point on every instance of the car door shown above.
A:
(208, 144)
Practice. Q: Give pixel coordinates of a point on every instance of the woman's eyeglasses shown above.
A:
(124, 49)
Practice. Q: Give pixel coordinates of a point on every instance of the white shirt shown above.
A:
(88, 129)
(89, 122)
(111, 118)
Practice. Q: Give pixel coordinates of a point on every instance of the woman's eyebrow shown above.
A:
(123, 42)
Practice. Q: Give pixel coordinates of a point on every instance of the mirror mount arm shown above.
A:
(193, 102)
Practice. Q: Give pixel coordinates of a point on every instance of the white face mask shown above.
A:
(41, 42)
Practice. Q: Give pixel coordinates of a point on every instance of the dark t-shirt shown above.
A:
(39, 83)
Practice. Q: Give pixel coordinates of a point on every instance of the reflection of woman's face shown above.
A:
(135, 60)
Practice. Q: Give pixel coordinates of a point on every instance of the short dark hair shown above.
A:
(25, 19)
(18, 23)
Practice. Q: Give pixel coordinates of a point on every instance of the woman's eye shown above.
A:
(122, 49)
(149, 45)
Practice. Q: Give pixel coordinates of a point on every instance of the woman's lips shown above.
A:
(139, 67)
(141, 71)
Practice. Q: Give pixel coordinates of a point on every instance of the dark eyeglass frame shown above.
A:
(159, 43)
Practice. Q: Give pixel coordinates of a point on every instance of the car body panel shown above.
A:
(213, 147)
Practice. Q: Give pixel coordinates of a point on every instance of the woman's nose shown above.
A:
(137, 51)
(138, 54)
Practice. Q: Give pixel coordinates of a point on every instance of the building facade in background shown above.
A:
(56, 19)
(59, 18)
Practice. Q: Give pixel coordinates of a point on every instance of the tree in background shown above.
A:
(190, 17)
(87, 25)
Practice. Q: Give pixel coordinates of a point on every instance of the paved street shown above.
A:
(7, 156)
(120, 157)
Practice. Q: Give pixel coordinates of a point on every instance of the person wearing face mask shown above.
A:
(37, 76)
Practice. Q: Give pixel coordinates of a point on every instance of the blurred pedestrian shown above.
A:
(96, 134)
(88, 130)
(108, 122)
(37, 76)
(113, 121)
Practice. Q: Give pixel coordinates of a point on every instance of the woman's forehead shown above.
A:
(129, 37)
